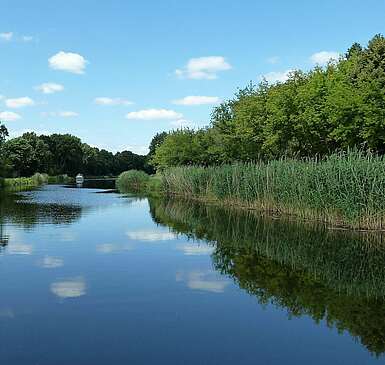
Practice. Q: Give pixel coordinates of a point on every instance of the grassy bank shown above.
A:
(25, 183)
(343, 189)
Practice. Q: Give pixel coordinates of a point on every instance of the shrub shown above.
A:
(132, 181)
(39, 179)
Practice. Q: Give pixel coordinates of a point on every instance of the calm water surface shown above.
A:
(93, 277)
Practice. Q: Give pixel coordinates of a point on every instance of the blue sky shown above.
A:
(116, 72)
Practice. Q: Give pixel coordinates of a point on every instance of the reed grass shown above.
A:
(346, 189)
(37, 179)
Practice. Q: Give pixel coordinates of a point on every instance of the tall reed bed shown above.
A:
(132, 181)
(344, 189)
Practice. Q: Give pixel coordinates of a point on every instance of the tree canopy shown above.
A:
(313, 113)
(62, 154)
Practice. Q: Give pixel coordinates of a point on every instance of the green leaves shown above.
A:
(313, 113)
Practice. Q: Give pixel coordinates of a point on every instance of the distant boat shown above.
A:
(79, 179)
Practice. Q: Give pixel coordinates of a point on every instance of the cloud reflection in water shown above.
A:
(203, 280)
(70, 288)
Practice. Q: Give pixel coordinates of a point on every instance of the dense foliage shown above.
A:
(313, 113)
(62, 154)
(3, 136)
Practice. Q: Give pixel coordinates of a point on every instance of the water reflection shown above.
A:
(23, 210)
(336, 276)
(195, 250)
(150, 235)
(6, 313)
(202, 280)
(69, 288)
(185, 278)
(19, 249)
(107, 248)
(49, 262)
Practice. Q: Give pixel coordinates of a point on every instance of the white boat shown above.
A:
(79, 179)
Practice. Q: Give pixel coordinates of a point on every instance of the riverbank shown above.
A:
(25, 183)
(344, 190)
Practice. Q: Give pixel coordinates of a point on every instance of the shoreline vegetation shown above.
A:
(342, 190)
(25, 183)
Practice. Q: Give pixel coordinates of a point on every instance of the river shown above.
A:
(89, 276)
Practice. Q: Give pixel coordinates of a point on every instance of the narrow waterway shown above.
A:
(89, 276)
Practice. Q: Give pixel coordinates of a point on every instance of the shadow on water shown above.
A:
(335, 276)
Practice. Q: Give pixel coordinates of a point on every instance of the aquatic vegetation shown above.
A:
(343, 189)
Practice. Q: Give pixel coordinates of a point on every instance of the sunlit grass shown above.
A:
(345, 189)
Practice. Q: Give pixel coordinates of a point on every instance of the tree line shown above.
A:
(314, 113)
(62, 154)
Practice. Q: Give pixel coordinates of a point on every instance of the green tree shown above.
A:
(156, 141)
(67, 153)
(20, 154)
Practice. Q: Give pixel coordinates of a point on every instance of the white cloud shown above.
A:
(197, 100)
(154, 114)
(20, 132)
(203, 68)
(27, 38)
(323, 57)
(1, 97)
(68, 61)
(62, 114)
(9, 116)
(9, 36)
(150, 235)
(50, 262)
(273, 77)
(71, 288)
(103, 100)
(68, 114)
(19, 102)
(138, 149)
(6, 36)
(49, 88)
(273, 60)
(182, 123)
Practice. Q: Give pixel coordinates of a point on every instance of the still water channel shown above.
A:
(89, 276)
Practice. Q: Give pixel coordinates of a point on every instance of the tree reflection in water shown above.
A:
(332, 275)
(16, 209)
